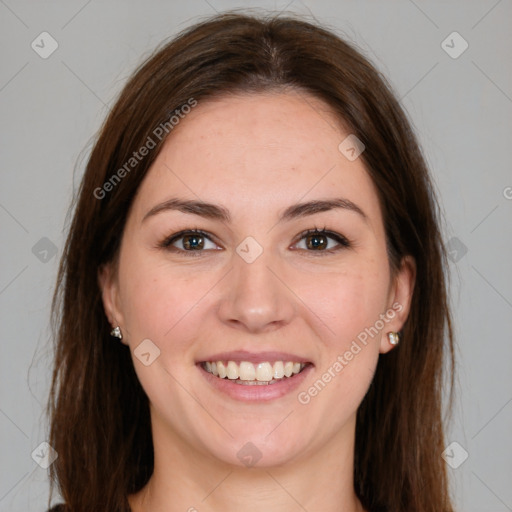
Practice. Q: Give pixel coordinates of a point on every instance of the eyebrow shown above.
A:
(217, 212)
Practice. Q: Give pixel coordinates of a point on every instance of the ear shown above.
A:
(399, 301)
(107, 280)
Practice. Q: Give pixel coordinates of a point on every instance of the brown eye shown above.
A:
(316, 241)
(322, 241)
(190, 241)
(193, 242)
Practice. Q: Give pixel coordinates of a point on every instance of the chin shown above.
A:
(258, 449)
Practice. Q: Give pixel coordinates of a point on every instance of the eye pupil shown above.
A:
(193, 242)
(318, 241)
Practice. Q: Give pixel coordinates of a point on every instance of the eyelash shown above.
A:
(340, 239)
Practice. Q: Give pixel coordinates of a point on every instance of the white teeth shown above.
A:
(263, 372)
(232, 370)
(247, 371)
(221, 369)
(288, 369)
(278, 370)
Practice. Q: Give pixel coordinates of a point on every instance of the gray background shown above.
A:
(461, 108)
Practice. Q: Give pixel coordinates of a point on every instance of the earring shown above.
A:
(116, 332)
(394, 338)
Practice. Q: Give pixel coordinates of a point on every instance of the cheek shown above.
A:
(160, 306)
(155, 302)
(350, 305)
(349, 301)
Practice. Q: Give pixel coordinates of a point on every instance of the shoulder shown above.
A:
(58, 508)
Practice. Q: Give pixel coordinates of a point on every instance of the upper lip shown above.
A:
(255, 357)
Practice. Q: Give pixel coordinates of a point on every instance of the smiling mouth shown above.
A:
(249, 374)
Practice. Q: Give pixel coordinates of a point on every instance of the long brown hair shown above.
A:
(100, 422)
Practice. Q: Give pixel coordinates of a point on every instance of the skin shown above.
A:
(255, 155)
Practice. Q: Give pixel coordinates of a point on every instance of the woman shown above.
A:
(251, 310)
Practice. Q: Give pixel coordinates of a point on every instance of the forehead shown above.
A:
(282, 122)
(257, 153)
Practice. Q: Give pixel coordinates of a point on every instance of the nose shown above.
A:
(257, 298)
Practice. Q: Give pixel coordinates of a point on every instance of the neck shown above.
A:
(185, 479)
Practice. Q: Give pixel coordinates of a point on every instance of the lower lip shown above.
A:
(256, 393)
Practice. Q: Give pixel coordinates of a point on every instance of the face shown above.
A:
(258, 285)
